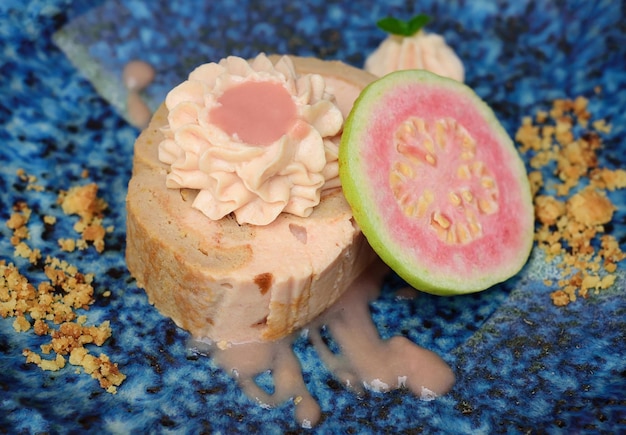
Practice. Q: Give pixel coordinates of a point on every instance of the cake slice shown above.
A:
(233, 282)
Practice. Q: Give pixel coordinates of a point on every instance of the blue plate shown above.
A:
(522, 364)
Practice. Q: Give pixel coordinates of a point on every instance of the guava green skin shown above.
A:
(361, 194)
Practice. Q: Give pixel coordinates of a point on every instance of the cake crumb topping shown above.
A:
(572, 213)
(84, 202)
(49, 308)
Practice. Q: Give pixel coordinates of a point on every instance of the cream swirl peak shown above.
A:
(253, 138)
(423, 50)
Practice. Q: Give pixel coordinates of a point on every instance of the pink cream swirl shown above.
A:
(427, 51)
(254, 138)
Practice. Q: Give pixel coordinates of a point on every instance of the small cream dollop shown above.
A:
(423, 50)
(254, 138)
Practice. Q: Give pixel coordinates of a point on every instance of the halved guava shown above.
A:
(436, 184)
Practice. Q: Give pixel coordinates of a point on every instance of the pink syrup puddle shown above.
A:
(365, 360)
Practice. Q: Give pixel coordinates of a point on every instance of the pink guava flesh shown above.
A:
(415, 222)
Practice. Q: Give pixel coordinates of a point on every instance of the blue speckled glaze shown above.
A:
(522, 365)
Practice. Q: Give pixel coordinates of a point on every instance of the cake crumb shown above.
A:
(560, 298)
(21, 324)
(84, 202)
(590, 207)
(23, 250)
(17, 222)
(49, 220)
(571, 221)
(49, 308)
(67, 245)
(609, 179)
(31, 181)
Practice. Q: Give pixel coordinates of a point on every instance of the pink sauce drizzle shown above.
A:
(365, 360)
(137, 76)
(258, 113)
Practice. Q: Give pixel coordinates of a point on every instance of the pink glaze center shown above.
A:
(258, 113)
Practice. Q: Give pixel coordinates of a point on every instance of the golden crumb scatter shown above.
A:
(49, 308)
(21, 324)
(590, 207)
(548, 209)
(84, 202)
(45, 364)
(601, 126)
(23, 250)
(67, 245)
(609, 179)
(571, 220)
(31, 181)
(560, 298)
(17, 222)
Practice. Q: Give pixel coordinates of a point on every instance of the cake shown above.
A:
(227, 280)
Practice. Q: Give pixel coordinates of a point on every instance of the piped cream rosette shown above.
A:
(423, 50)
(254, 179)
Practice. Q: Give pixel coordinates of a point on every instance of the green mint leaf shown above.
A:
(398, 27)
(417, 22)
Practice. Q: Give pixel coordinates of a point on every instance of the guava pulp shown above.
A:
(436, 184)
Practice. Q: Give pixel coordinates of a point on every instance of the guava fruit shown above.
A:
(436, 184)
